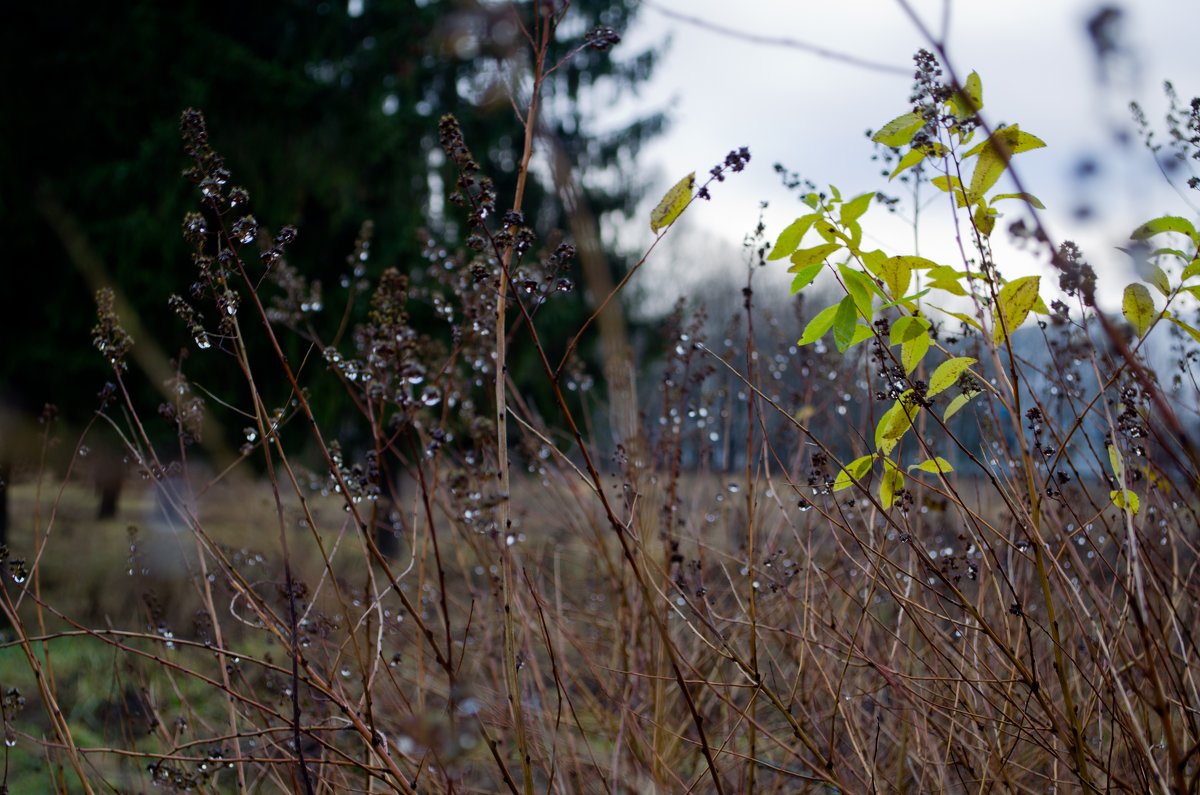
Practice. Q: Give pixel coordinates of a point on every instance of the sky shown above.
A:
(809, 112)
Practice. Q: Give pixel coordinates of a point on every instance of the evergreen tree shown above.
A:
(327, 114)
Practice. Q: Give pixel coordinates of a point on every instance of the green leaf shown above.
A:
(844, 322)
(1013, 304)
(1028, 198)
(1192, 269)
(859, 286)
(947, 183)
(908, 327)
(957, 404)
(906, 301)
(911, 158)
(1163, 251)
(934, 465)
(891, 482)
(853, 210)
(947, 373)
(1158, 277)
(672, 203)
(808, 256)
(913, 351)
(1125, 499)
(1192, 332)
(1168, 223)
(994, 154)
(985, 219)
(805, 276)
(872, 259)
(900, 130)
(862, 333)
(969, 101)
(790, 237)
(829, 232)
(855, 470)
(1138, 308)
(817, 327)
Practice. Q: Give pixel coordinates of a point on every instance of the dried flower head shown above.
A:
(108, 335)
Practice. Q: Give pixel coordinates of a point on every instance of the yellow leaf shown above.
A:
(994, 154)
(957, 404)
(1013, 304)
(891, 482)
(894, 423)
(897, 273)
(900, 130)
(913, 351)
(855, 470)
(911, 158)
(967, 102)
(790, 237)
(934, 465)
(985, 219)
(809, 256)
(947, 373)
(1125, 499)
(672, 203)
(1138, 308)
(1118, 465)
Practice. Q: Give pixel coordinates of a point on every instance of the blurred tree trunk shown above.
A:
(616, 354)
(109, 476)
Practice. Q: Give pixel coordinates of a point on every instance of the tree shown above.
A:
(325, 112)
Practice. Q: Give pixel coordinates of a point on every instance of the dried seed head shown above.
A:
(109, 337)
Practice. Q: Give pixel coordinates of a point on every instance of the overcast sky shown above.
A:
(809, 112)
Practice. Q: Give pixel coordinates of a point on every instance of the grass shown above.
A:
(875, 645)
(481, 587)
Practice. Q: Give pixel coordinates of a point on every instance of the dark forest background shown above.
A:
(326, 112)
